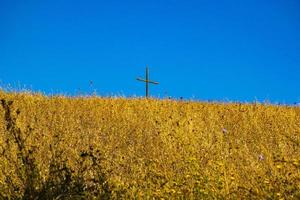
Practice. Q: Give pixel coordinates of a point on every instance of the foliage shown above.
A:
(115, 148)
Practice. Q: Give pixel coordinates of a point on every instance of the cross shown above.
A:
(147, 81)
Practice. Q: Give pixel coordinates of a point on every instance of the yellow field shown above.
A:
(108, 148)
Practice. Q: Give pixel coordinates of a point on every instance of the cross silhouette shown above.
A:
(147, 81)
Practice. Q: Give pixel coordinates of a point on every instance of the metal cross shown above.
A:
(147, 81)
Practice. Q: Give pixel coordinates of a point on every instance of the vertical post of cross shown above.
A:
(147, 81)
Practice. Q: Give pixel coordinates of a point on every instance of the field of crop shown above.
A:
(115, 148)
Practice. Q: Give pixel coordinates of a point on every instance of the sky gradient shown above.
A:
(205, 50)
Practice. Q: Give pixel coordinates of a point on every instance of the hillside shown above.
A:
(115, 148)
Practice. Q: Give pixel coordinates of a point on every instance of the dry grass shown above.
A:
(86, 148)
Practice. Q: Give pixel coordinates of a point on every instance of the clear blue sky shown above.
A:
(209, 50)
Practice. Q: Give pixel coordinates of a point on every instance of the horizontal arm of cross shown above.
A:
(147, 81)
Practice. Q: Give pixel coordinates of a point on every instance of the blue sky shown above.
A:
(207, 50)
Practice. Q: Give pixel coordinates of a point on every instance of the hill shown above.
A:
(114, 148)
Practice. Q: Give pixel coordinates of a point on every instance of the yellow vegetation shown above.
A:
(91, 147)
